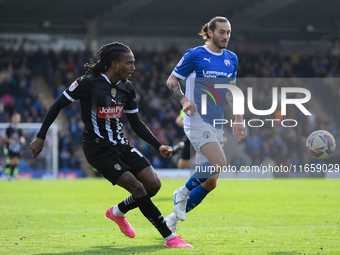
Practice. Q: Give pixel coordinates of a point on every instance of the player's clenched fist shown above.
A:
(36, 146)
(165, 150)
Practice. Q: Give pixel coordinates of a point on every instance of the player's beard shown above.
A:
(217, 43)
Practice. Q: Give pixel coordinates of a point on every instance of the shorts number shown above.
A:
(137, 151)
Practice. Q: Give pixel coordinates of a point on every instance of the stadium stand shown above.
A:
(24, 74)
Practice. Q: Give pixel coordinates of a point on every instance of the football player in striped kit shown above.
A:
(13, 139)
(105, 93)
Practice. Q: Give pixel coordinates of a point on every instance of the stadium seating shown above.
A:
(21, 74)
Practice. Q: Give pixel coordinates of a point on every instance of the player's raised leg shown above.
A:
(148, 177)
(129, 182)
(215, 155)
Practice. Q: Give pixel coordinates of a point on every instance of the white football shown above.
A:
(320, 144)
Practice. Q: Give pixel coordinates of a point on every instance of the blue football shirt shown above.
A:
(202, 69)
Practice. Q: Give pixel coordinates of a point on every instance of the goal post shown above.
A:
(47, 163)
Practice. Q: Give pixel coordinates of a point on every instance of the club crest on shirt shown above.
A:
(73, 86)
(117, 167)
(206, 134)
(113, 92)
(227, 62)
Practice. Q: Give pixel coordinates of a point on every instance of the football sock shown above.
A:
(173, 217)
(199, 176)
(151, 212)
(195, 198)
(117, 212)
(184, 191)
(128, 204)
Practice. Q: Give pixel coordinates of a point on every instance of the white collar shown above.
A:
(214, 53)
(106, 78)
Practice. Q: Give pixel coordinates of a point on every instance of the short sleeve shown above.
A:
(77, 89)
(131, 102)
(235, 62)
(185, 66)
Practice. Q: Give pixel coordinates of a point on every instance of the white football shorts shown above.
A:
(199, 133)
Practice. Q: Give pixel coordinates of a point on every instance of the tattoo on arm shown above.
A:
(176, 90)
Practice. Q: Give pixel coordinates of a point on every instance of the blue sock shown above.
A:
(195, 198)
(199, 176)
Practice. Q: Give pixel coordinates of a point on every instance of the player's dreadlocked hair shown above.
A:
(105, 56)
(212, 26)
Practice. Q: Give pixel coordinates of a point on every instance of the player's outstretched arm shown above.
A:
(52, 112)
(140, 128)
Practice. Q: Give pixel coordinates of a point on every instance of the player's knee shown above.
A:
(154, 187)
(220, 161)
(137, 189)
(223, 160)
(131, 184)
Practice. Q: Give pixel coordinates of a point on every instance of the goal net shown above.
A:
(46, 166)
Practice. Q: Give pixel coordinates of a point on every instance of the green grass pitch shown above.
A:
(281, 216)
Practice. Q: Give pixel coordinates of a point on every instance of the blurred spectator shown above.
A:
(237, 160)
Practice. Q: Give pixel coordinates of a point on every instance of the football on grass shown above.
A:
(320, 144)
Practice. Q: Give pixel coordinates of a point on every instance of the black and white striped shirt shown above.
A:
(102, 105)
(14, 133)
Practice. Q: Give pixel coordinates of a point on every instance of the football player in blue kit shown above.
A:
(203, 67)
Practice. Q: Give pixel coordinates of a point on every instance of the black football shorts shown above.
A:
(113, 160)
